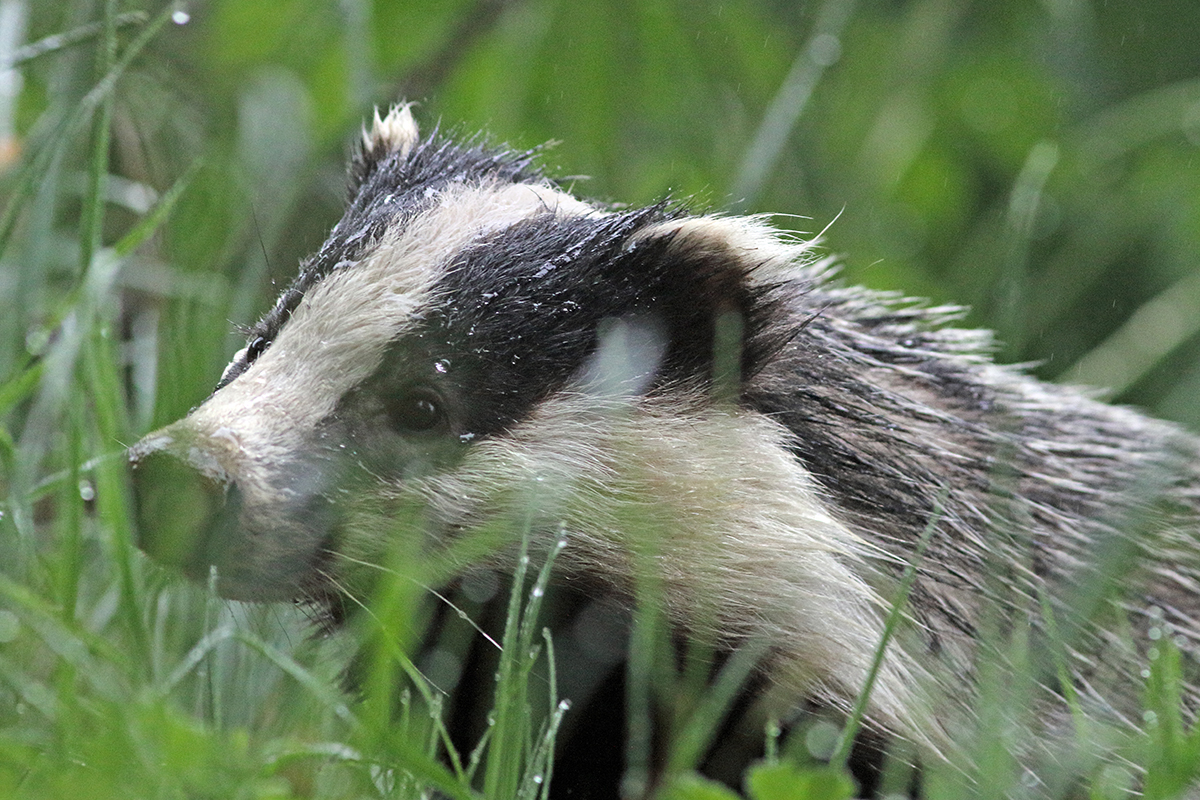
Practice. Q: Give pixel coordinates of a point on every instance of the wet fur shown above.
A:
(578, 347)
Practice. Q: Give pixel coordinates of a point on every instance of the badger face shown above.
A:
(377, 373)
(467, 329)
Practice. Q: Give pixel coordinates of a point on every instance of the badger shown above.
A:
(687, 393)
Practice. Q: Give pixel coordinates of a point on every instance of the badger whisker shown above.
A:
(379, 568)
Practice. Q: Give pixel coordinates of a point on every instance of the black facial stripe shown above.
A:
(387, 190)
(520, 312)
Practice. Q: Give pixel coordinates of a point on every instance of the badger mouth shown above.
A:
(324, 598)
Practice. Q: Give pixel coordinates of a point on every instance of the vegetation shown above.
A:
(164, 166)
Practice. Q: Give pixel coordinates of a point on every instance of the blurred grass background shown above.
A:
(163, 168)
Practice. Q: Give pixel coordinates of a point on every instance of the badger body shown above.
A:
(691, 392)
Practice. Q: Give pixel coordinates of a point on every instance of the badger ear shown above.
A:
(725, 285)
(747, 249)
(395, 133)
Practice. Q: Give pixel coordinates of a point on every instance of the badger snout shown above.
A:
(197, 515)
(187, 506)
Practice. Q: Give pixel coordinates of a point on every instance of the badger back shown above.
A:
(472, 342)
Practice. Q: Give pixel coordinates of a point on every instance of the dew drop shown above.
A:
(181, 17)
(821, 739)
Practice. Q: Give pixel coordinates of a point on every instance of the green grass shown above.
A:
(117, 680)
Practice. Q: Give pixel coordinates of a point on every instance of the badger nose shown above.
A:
(182, 498)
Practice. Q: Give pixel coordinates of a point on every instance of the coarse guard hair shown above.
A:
(690, 395)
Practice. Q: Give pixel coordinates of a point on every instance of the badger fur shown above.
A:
(471, 335)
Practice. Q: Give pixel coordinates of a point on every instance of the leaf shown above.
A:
(691, 786)
(784, 781)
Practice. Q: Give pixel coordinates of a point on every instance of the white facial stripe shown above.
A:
(336, 336)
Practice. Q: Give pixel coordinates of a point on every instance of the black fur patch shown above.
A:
(522, 311)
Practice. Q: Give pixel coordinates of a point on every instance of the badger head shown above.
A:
(472, 343)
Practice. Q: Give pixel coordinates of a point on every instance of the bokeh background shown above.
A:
(164, 168)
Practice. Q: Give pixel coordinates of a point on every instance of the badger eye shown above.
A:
(416, 410)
